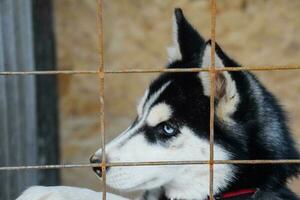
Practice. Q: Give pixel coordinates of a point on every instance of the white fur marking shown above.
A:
(141, 103)
(159, 113)
(206, 58)
(191, 181)
(174, 51)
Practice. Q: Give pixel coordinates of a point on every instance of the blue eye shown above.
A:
(168, 129)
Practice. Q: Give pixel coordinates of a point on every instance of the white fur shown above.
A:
(174, 51)
(64, 193)
(159, 113)
(228, 104)
(141, 103)
(186, 181)
(206, 59)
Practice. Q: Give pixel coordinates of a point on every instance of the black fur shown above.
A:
(255, 117)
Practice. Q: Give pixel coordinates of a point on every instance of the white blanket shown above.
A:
(64, 193)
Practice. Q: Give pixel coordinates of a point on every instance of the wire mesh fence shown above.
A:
(103, 70)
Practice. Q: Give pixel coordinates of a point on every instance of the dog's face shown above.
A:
(173, 122)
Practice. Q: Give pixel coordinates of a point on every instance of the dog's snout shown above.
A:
(97, 160)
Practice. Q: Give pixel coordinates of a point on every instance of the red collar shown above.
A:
(242, 192)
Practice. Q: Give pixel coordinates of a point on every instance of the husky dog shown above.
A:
(173, 124)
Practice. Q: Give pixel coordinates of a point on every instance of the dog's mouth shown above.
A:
(98, 171)
(139, 186)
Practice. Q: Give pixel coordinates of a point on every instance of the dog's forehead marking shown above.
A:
(148, 100)
(143, 110)
(142, 103)
(159, 113)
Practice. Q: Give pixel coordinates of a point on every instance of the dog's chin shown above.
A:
(129, 185)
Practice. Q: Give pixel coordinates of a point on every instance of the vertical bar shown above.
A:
(212, 98)
(101, 93)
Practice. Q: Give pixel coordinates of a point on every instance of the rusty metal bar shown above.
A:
(101, 93)
(150, 70)
(212, 98)
(156, 163)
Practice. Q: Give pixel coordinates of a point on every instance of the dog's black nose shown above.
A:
(97, 170)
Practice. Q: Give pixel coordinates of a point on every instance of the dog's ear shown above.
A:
(226, 92)
(187, 41)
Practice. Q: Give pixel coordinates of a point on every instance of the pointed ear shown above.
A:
(187, 43)
(226, 92)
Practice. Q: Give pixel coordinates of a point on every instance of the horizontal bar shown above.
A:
(260, 68)
(150, 70)
(62, 72)
(158, 163)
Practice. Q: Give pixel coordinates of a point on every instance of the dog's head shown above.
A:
(172, 121)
